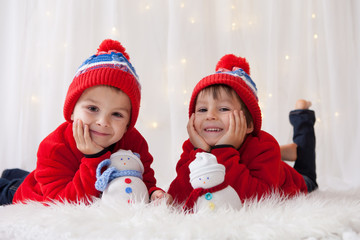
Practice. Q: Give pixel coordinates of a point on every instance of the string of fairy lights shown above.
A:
(234, 26)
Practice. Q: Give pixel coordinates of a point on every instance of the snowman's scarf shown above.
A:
(103, 179)
(198, 192)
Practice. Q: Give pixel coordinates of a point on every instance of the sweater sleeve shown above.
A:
(253, 170)
(62, 172)
(62, 175)
(180, 188)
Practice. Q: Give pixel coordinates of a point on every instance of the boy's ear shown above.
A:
(250, 128)
(72, 117)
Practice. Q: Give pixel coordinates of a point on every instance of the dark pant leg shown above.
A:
(10, 174)
(9, 182)
(304, 136)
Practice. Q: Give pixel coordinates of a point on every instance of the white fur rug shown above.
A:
(320, 215)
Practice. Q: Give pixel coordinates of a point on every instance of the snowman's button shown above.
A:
(127, 180)
(128, 190)
(208, 196)
(211, 206)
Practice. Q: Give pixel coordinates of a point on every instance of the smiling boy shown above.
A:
(101, 108)
(225, 120)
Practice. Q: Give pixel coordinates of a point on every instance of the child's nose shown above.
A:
(103, 121)
(210, 114)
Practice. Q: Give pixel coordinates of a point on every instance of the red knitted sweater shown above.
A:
(63, 173)
(254, 170)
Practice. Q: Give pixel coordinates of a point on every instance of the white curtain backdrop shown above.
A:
(296, 49)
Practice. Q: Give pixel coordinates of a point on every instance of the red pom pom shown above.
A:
(112, 45)
(230, 61)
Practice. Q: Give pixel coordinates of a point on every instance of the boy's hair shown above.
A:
(233, 72)
(110, 66)
(215, 91)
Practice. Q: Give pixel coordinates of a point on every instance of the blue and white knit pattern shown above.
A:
(244, 76)
(110, 60)
(110, 174)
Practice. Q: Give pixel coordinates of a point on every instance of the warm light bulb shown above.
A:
(192, 20)
(182, 5)
(233, 26)
(270, 95)
(183, 61)
(287, 57)
(336, 114)
(154, 125)
(34, 99)
(113, 29)
(313, 15)
(315, 36)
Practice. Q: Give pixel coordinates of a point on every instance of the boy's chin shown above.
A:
(211, 143)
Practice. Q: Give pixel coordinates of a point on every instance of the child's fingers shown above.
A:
(87, 138)
(74, 130)
(243, 124)
(237, 121)
(80, 132)
(190, 125)
(232, 125)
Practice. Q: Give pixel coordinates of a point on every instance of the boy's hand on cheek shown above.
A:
(237, 130)
(83, 140)
(196, 140)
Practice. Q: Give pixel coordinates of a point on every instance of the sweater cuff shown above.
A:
(222, 146)
(102, 152)
(96, 155)
(153, 189)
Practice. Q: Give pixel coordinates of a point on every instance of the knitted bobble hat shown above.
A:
(109, 66)
(234, 72)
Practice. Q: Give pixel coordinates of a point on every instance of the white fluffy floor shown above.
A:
(320, 215)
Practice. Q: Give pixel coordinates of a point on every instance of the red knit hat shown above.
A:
(109, 66)
(234, 72)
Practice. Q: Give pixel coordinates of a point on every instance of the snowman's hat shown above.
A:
(204, 163)
(128, 154)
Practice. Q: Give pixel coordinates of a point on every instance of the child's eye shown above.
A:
(202, 110)
(224, 109)
(119, 115)
(93, 108)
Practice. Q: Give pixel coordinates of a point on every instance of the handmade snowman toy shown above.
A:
(122, 180)
(211, 192)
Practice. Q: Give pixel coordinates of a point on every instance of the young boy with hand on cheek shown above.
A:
(225, 120)
(101, 109)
